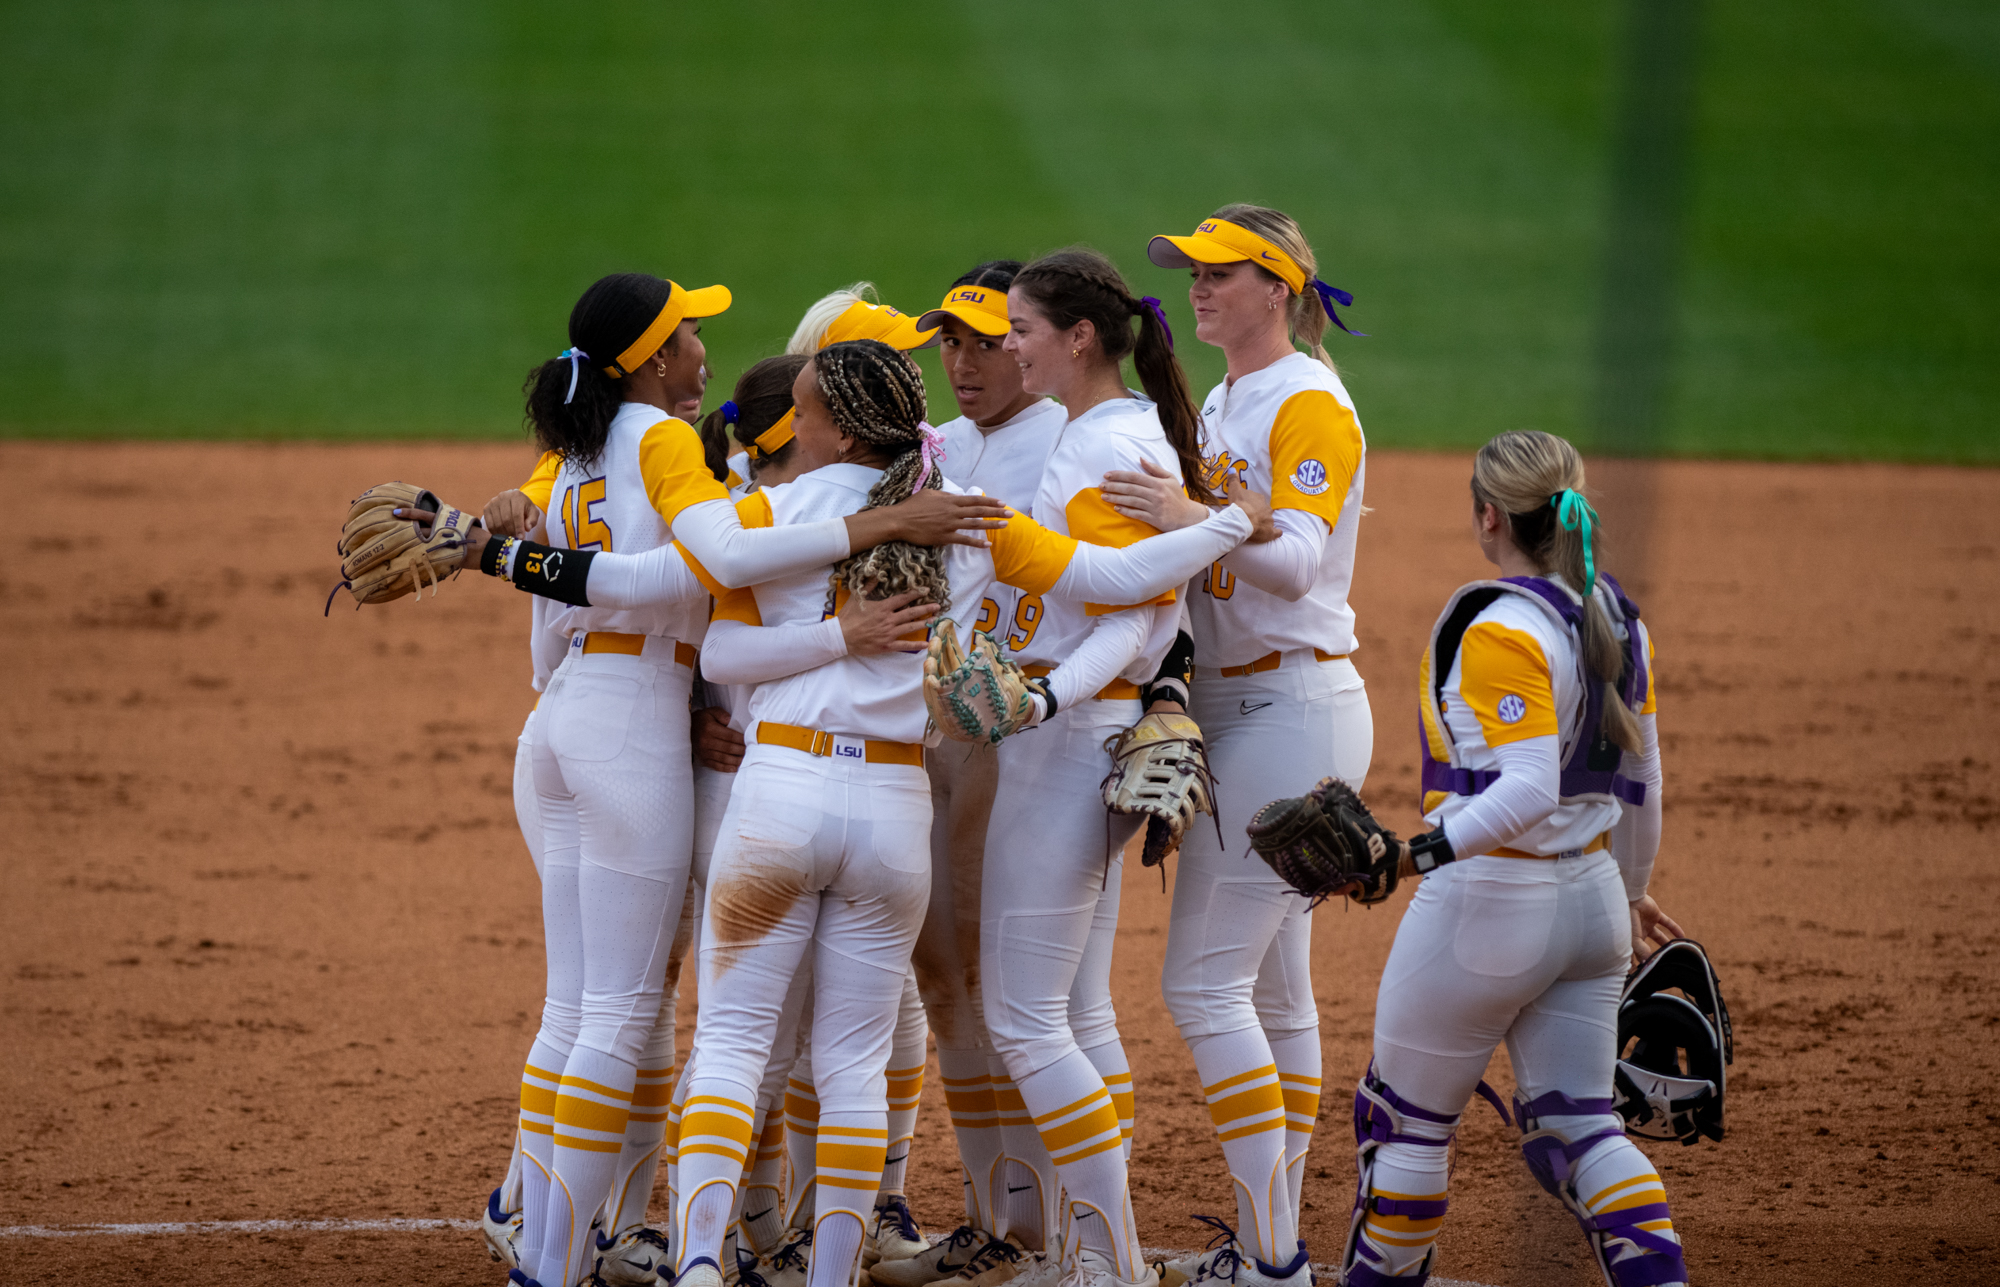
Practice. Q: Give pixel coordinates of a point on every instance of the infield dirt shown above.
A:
(272, 943)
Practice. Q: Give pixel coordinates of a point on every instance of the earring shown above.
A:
(1076, 352)
(1270, 305)
(660, 367)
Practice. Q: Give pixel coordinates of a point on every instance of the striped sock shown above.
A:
(1079, 1127)
(670, 1147)
(801, 1145)
(538, 1143)
(1027, 1205)
(1297, 1058)
(1109, 1060)
(1247, 1107)
(1395, 1245)
(716, 1129)
(968, 1095)
(848, 1157)
(645, 1139)
(593, 1103)
(906, 1089)
(764, 1191)
(1615, 1176)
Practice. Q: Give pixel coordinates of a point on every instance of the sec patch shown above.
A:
(1511, 709)
(1310, 477)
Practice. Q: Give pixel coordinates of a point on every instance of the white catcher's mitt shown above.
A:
(1159, 767)
(976, 694)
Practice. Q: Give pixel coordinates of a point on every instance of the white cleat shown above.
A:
(940, 1260)
(638, 1257)
(1041, 1269)
(1220, 1261)
(1093, 1270)
(502, 1231)
(1255, 1273)
(893, 1233)
(702, 1273)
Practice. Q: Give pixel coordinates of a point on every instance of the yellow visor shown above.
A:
(983, 308)
(865, 321)
(681, 304)
(768, 442)
(1219, 241)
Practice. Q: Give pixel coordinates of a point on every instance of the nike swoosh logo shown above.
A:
(1268, 255)
(1246, 707)
(758, 1215)
(1022, 1189)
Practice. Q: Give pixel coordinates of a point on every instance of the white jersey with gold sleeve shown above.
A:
(1290, 432)
(877, 697)
(1007, 463)
(624, 501)
(1517, 674)
(1118, 434)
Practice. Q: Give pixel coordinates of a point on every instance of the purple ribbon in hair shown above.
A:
(572, 354)
(1331, 295)
(1160, 315)
(931, 444)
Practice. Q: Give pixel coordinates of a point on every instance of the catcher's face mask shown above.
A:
(1673, 1050)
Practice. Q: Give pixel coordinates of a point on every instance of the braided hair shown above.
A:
(1079, 284)
(876, 394)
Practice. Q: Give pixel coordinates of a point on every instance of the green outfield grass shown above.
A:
(366, 219)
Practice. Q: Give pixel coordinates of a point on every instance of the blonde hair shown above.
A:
(1522, 473)
(1304, 313)
(825, 311)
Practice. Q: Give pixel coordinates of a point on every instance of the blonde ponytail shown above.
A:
(1529, 475)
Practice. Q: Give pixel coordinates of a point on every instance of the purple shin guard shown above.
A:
(1553, 1161)
(1381, 1117)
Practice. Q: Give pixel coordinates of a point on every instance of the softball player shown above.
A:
(613, 769)
(1048, 918)
(855, 313)
(1541, 778)
(826, 842)
(1277, 697)
(998, 445)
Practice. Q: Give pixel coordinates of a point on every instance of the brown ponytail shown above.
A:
(1078, 284)
(1519, 472)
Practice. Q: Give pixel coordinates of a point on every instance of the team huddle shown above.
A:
(865, 714)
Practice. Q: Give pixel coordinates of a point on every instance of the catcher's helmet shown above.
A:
(1673, 1051)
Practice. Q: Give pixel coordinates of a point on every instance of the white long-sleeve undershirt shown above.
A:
(738, 556)
(1635, 838)
(735, 652)
(1112, 644)
(1287, 566)
(1525, 794)
(1146, 569)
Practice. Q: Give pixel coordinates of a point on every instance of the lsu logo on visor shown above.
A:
(1210, 226)
(967, 295)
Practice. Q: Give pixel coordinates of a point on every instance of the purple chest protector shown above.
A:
(1591, 768)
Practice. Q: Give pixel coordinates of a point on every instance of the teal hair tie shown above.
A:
(1574, 513)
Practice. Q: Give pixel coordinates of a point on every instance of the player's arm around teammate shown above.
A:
(1542, 782)
(998, 445)
(1275, 694)
(1048, 912)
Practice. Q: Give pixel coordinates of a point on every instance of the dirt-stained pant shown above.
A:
(819, 857)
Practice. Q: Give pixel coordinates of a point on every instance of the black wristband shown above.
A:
(562, 575)
(1431, 851)
(1175, 675)
(493, 559)
(1042, 690)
